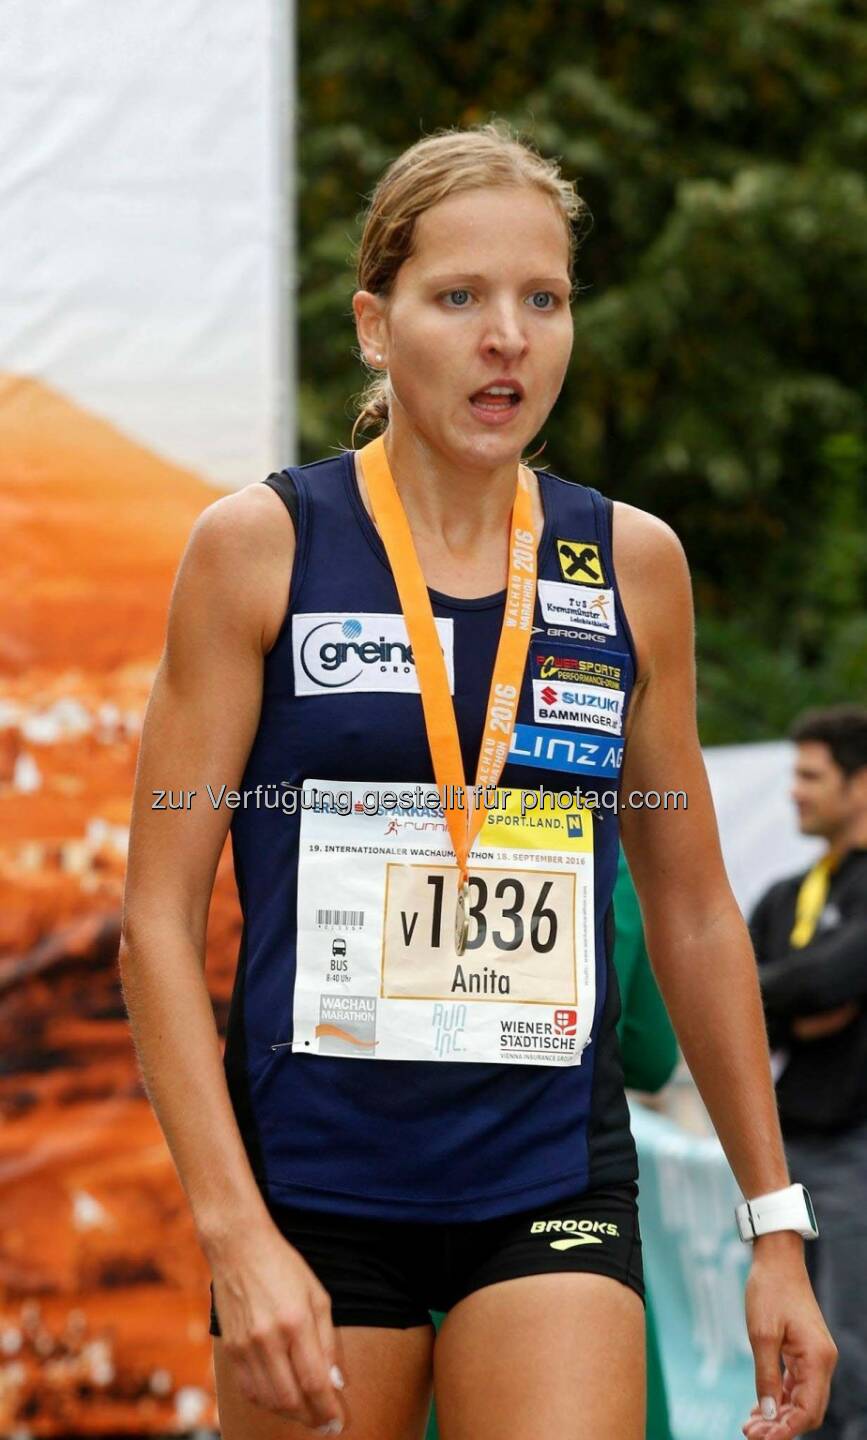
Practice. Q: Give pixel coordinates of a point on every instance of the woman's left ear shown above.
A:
(368, 324)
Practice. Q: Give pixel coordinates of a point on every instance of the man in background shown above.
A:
(810, 937)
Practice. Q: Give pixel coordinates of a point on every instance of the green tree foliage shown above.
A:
(717, 378)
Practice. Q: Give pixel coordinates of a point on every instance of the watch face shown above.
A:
(809, 1204)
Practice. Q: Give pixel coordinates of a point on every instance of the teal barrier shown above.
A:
(696, 1268)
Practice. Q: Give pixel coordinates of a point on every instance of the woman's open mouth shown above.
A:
(496, 404)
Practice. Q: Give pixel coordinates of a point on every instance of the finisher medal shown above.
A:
(437, 707)
(462, 919)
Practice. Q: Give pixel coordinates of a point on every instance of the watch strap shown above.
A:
(786, 1209)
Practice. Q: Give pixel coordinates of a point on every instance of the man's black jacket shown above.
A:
(824, 1085)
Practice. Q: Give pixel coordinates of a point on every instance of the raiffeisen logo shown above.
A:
(359, 652)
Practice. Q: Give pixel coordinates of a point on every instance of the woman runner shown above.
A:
(421, 1105)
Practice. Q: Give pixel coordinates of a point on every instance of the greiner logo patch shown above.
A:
(348, 653)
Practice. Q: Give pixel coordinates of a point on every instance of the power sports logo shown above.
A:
(344, 654)
(581, 667)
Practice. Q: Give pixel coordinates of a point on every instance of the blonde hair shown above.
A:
(443, 163)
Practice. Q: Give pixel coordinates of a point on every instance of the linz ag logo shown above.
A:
(565, 1022)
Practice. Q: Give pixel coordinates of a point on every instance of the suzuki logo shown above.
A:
(549, 695)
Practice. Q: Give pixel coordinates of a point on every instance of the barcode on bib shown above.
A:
(342, 919)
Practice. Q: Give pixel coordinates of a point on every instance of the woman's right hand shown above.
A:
(275, 1320)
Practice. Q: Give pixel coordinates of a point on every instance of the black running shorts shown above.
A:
(394, 1273)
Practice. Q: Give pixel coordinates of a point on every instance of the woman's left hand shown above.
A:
(785, 1322)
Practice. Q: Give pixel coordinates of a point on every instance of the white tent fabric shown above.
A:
(145, 187)
(757, 821)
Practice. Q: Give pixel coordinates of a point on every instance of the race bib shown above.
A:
(377, 973)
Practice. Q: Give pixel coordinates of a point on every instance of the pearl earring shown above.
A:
(379, 357)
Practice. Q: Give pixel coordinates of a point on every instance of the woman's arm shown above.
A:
(198, 729)
(698, 942)
(227, 603)
(696, 937)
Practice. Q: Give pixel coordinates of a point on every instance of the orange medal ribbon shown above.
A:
(437, 706)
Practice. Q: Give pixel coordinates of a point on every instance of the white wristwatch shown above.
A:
(789, 1209)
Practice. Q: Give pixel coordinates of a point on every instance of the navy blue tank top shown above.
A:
(416, 1140)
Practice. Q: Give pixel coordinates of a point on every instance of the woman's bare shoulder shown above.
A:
(239, 556)
(653, 578)
(642, 538)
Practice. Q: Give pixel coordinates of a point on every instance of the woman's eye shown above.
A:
(464, 296)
